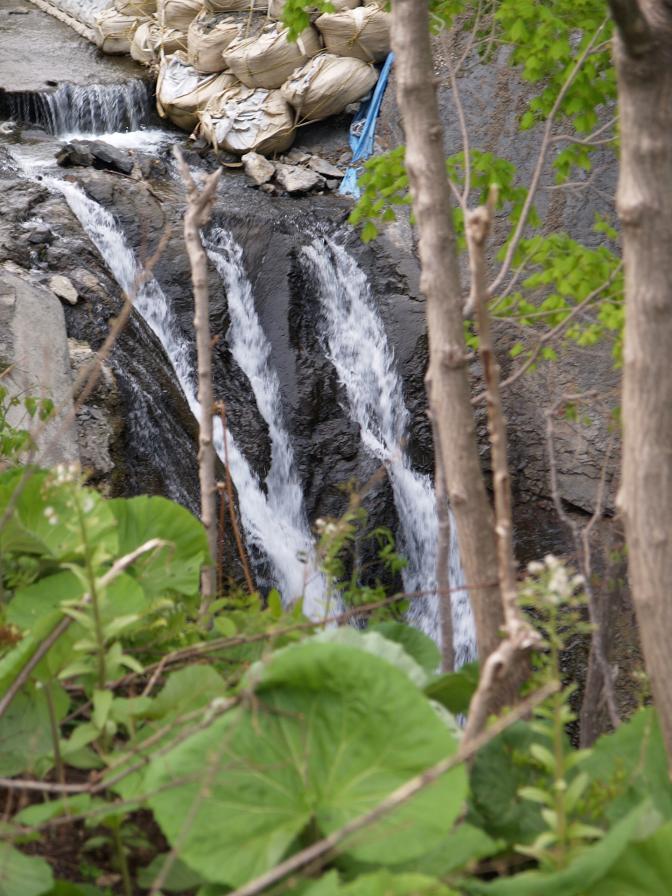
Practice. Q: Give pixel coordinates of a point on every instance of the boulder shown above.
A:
(94, 154)
(297, 180)
(258, 168)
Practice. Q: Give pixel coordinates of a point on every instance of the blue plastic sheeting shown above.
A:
(363, 131)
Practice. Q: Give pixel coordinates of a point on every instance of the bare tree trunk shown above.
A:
(644, 63)
(199, 209)
(447, 379)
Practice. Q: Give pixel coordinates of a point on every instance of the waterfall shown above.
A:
(84, 111)
(270, 530)
(357, 346)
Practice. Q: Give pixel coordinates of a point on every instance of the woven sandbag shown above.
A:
(221, 6)
(245, 119)
(140, 8)
(327, 84)
(149, 39)
(114, 32)
(210, 34)
(178, 14)
(270, 58)
(182, 92)
(277, 7)
(363, 33)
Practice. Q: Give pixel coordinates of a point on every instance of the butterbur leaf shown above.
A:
(23, 875)
(416, 644)
(332, 731)
(174, 568)
(454, 690)
(179, 878)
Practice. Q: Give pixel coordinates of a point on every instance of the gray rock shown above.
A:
(297, 156)
(258, 168)
(297, 180)
(322, 166)
(33, 345)
(332, 184)
(63, 288)
(94, 154)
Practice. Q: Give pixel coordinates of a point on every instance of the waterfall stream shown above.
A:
(357, 346)
(271, 529)
(96, 109)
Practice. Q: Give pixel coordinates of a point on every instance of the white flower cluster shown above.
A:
(560, 585)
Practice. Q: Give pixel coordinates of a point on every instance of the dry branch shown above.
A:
(197, 215)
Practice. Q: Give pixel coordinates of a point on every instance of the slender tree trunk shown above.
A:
(644, 62)
(447, 379)
(199, 209)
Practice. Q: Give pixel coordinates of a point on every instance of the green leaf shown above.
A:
(498, 773)
(374, 643)
(644, 868)
(331, 732)
(179, 878)
(102, 701)
(416, 644)
(454, 690)
(23, 875)
(628, 765)
(41, 812)
(175, 568)
(588, 868)
(25, 730)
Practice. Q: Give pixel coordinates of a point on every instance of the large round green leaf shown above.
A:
(644, 869)
(173, 568)
(330, 732)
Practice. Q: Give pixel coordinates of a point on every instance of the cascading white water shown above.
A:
(357, 346)
(73, 110)
(251, 351)
(269, 530)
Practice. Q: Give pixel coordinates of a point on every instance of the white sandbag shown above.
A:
(327, 84)
(114, 32)
(149, 40)
(244, 119)
(210, 34)
(140, 8)
(220, 6)
(363, 33)
(178, 14)
(182, 92)
(270, 58)
(277, 7)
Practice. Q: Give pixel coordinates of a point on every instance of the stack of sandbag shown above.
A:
(277, 7)
(139, 8)
(245, 119)
(178, 14)
(268, 59)
(182, 92)
(327, 84)
(150, 40)
(363, 33)
(210, 34)
(114, 31)
(249, 6)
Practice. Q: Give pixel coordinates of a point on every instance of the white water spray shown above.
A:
(359, 350)
(268, 528)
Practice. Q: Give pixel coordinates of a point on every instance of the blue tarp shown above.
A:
(363, 131)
